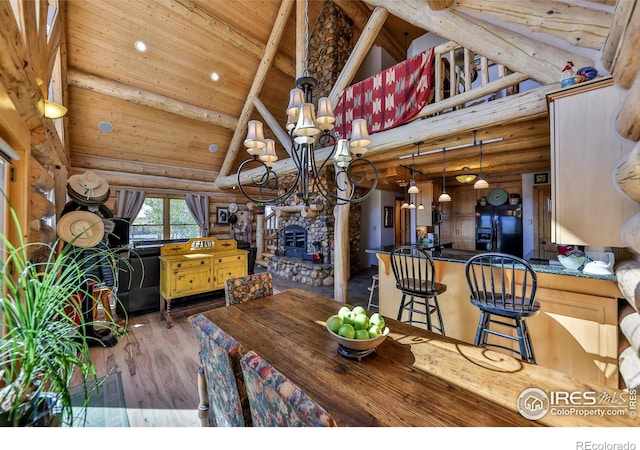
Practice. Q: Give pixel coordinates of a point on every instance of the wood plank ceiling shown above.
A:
(166, 111)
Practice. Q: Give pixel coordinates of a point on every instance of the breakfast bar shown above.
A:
(576, 331)
(414, 378)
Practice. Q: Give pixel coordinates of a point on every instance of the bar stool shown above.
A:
(374, 285)
(503, 287)
(415, 277)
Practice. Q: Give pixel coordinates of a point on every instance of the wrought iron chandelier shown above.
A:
(309, 131)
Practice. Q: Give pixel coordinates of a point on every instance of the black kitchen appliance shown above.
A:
(499, 229)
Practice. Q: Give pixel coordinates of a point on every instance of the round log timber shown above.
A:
(631, 233)
(627, 174)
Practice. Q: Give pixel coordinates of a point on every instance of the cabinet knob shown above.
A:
(179, 264)
(201, 262)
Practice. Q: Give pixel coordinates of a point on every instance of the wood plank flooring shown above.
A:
(158, 367)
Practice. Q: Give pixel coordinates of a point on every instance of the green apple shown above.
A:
(350, 318)
(377, 319)
(362, 334)
(344, 311)
(334, 323)
(359, 310)
(374, 331)
(347, 331)
(361, 321)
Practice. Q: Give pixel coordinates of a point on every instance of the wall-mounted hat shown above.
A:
(81, 229)
(88, 186)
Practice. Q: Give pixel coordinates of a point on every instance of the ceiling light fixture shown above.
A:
(140, 46)
(53, 110)
(444, 197)
(308, 131)
(481, 183)
(421, 206)
(465, 177)
(214, 76)
(105, 127)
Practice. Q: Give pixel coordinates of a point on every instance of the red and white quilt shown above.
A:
(389, 98)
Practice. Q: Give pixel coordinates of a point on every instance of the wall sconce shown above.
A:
(53, 110)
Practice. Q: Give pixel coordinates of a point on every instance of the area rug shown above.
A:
(106, 404)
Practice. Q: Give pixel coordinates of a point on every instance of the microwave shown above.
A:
(436, 217)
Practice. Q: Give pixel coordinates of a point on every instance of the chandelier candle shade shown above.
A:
(309, 131)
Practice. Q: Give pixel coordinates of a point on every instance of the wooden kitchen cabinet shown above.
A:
(197, 266)
(587, 207)
(459, 218)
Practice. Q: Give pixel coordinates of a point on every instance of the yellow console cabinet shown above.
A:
(197, 266)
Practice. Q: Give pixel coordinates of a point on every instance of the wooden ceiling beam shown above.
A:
(149, 99)
(576, 24)
(621, 20)
(541, 62)
(258, 82)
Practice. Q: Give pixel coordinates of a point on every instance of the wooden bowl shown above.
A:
(359, 344)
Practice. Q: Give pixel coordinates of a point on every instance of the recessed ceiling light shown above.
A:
(214, 76)
(213, 148)
(105, 127)
(141, 46)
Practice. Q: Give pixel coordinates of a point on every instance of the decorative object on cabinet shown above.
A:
(196, 266)
(497, 197)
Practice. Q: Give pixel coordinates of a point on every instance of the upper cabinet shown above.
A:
(588, 208)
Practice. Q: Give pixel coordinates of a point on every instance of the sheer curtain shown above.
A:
(129, 203)
(199, 206)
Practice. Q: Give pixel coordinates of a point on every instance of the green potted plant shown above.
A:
(43, 346)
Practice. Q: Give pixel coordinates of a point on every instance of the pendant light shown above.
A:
(481, 183)
(404, 184)
(420, 206)
(444, 197)
(413, 189)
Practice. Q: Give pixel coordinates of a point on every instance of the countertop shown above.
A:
(461, 256)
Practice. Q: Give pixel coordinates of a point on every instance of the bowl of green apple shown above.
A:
(354, 329)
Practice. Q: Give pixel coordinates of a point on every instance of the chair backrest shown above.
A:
(250, 287)
(220, 356)
(276, 401)
(496, 279)
(413, 268)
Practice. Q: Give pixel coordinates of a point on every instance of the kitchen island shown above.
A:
(576, 331)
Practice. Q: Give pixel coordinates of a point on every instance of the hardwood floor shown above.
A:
(158, 367)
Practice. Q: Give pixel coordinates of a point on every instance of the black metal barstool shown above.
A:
(415, 277)
(503, 287)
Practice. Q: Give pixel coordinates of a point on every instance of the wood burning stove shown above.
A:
(294, 238)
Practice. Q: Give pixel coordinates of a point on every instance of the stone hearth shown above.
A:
(301, 271)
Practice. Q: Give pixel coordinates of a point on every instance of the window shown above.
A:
(164, 218)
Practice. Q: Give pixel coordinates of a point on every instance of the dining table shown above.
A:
(415, 377)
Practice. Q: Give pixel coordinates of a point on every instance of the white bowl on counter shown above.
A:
(571, 262)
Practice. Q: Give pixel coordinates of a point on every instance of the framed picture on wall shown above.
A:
(388, 216)
(222, 215)
(540, 178)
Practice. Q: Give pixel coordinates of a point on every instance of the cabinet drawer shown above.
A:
(231, 270)
(188, 263)
(229, 259)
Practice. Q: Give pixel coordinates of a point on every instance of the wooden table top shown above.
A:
(415, 378)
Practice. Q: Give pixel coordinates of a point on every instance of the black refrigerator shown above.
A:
(499, 229)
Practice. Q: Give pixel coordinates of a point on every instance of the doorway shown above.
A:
(401, 223)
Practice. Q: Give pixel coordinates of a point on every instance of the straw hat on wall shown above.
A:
(88, 187)
(81, 229)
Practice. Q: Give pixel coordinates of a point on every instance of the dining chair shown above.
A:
(503, 287)
(250, 287)
(276, 401)
(225, 396)
(414, 272)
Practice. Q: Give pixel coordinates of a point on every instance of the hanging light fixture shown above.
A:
(413, 189)
(465, 177)
(403, 185)
(309, 131)
(420, 206)
(444, 197)
(481, 183)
